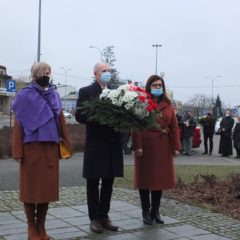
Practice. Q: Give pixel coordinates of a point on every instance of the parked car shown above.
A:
(217, 125)
(67, 114)
(197, 139)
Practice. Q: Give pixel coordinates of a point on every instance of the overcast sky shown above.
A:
(199, 39)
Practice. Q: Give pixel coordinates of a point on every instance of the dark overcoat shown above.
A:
(188, 131)
(208, 126)
(155, 169)
(103, 155)
(236, 136)
(225, 146)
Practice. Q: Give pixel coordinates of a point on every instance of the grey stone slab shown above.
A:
(116, 216)
(81, 208)
(135, 213)
(12, 226)
(187, 230)
(121, 206)
(64, 212)
(69, 235)
(157, 233)
(124, 236)
(57, 231)
(20, 215)
(21, 236)
(168, 220)
(7, 218)
(77, 221)
(13, 231)
(130, 224)
(209, 237)
(56, 223)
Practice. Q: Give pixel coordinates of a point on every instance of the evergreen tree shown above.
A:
(217, 108)
(108, 56)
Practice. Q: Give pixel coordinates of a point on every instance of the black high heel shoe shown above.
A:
(156, 216)
(146, 217)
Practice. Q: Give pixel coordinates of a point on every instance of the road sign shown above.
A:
(11, 86)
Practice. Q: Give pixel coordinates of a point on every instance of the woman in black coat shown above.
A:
(226, 125)
(236, 137)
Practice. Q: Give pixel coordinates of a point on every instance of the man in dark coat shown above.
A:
(226, 125)
(103, 155)
(208, 130)
(236, 137)
(188, 124)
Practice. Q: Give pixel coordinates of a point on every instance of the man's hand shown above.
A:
(18, 160)
(177, 153)
(138, 152)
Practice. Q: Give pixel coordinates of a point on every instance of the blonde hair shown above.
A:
(38, 69)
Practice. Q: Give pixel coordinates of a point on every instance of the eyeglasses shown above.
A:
(156, 85)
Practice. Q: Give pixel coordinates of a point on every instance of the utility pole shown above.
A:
(39, 32)
(156, 46)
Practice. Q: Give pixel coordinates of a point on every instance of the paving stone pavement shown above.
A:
(68, 219)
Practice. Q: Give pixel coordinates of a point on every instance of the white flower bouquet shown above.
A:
(127, 106)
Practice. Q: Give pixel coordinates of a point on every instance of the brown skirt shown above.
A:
(39, 173)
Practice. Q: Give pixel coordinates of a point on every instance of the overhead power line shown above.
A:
(216, 86)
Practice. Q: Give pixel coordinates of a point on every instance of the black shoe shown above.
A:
(188, 154)
(210, 153)
(95, 226)
(107, 223)
(156, 216)
(204, 153)
(146, 217)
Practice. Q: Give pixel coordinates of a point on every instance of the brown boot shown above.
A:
(41, 218)
(30, 211)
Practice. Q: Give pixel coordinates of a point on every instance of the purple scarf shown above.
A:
(37, 110)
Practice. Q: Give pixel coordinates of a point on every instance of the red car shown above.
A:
(197, 140)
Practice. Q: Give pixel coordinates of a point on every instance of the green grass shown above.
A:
(186, 172)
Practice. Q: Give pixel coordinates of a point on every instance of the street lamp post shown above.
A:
(100, 51)
(212, 79)
(156, 46)
(65, 87)
(39, 32)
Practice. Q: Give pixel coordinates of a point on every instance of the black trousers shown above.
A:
(98, 199)
(238, 152)
(206, 137)
(155, 199)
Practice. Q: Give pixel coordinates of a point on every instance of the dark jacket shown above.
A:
(236, 136)
(188, 131)
(103, 156)
(208, 126)
(226, 123)
(225, 145)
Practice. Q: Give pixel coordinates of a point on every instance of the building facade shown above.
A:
(5, 100)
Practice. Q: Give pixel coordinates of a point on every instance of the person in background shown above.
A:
(126, 136)
(103, 155)
(236, 137)
(154, 151)
(188, 124)
(179, 121)
(208, 131)
(226, 125)
(39, 124)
